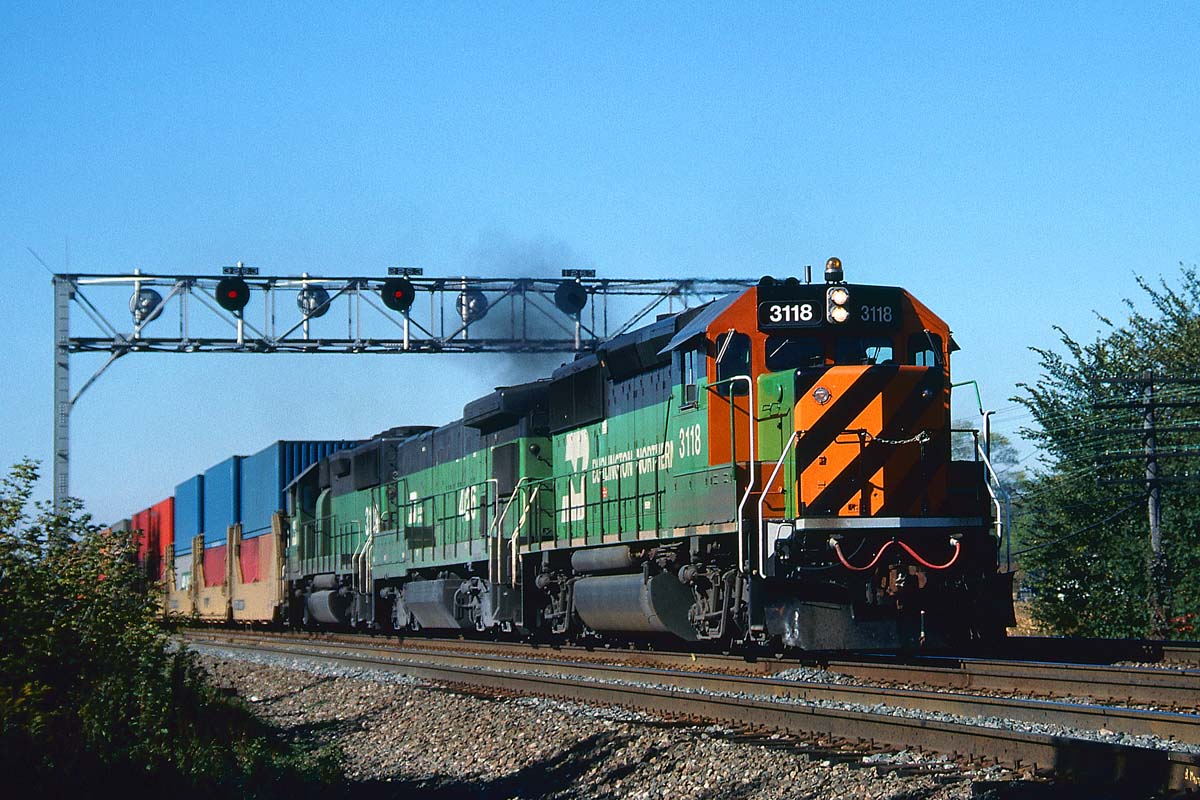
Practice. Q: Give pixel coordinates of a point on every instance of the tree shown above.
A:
(1083, 516)
(92, 692)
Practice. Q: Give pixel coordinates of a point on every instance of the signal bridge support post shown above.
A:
(62, 390)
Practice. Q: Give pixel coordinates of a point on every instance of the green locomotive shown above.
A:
(772, 466)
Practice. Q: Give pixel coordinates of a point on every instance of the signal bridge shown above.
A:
(241, 311)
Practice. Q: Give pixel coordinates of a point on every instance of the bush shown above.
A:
(93, 692)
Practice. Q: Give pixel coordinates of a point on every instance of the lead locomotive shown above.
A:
(772, 466)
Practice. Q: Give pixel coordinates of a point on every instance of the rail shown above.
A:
(639, 505)
(452, 512)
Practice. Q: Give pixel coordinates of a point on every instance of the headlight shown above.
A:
(839, 295)
(839, 314)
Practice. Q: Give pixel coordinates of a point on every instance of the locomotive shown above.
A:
(773, 467)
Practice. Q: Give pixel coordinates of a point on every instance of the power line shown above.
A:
(1083, 530)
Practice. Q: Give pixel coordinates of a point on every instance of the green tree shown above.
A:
(1083, 516)
(92, 690)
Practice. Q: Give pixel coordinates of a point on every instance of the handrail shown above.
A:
(355, 584)
(368, 572)
(497, 525)
(751, 418)
(1003, 532)
(512, 544)
(762, 500)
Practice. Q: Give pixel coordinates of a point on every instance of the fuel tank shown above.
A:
(328, 607)
(635, 604)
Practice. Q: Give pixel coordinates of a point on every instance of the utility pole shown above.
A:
(1158, 574)
(1157, 566)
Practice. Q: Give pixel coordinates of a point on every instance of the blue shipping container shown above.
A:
(189, 513)
(265, 473)
(222, 499)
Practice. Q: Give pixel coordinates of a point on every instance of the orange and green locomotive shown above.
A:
(774, 467)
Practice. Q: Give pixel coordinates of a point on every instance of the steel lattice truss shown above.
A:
(328, 314)
(449, 315)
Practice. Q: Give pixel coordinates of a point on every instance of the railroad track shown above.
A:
(1174, 688)
(946, 723)
(1055, 648)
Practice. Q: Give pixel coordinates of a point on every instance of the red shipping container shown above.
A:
(162, 522)
(140, 524)
(214, 565)
(249, 559)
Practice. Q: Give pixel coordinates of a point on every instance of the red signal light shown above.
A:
(398, 293)
(233, 293)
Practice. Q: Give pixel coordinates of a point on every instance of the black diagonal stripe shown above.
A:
(897, 500)
(833, 422)
(872, 458)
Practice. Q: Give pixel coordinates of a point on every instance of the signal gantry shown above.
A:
(241, 311)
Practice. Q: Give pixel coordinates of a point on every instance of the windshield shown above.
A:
(794, 352)
(863, 350)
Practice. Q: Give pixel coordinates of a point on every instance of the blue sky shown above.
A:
(1014, 165)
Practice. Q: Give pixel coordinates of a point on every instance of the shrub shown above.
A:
(93, 691)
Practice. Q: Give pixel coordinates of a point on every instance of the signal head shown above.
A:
(232, 293)
(570, 297)
(471, 305)
(313, 301)
(398, 293)
(145, 305)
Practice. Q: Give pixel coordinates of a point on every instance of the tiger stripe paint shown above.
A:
(844, 467)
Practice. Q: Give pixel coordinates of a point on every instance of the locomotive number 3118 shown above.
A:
(787, 314)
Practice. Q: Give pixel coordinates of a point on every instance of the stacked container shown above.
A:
(264, 476)
(222, 510)
(189, 523)
(142, 544)
(162, 532)
(154, 532)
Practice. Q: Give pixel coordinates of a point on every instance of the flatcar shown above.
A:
(772, 467)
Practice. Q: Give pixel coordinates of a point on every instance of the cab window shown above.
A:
(925, 349)
(794, 352)
(856, 350)
(733, 358)
(691, 368)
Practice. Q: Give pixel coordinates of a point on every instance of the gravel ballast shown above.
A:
(406, 737)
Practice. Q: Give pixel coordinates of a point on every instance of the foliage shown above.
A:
(92, 688)
(1083, 517)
